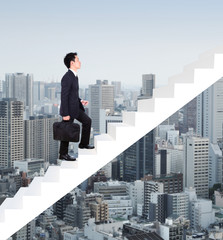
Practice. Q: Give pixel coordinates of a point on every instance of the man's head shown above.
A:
(71, 60)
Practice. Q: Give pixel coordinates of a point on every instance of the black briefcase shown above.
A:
(66, 131)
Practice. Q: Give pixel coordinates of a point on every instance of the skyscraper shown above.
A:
(210, 112)
(101, 96)
(38, 92)
(162, 162)
(196, 164)
(158, 207)
(149, 188)
(20, 86)
(139, 158)
(148, 84)
(11, 129)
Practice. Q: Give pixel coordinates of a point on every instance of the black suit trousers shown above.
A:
(85, 133)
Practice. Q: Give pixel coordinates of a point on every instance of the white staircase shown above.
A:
(59, 180)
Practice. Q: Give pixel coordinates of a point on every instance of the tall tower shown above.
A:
(117, 88)
(20, 86)
(11, 129)
(101, 96)
(196, 173)
(148, 84)
(210, 112)
(38, 91)
(139, 158)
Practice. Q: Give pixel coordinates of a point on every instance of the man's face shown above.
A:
(76, 64)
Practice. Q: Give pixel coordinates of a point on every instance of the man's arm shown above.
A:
(65, 91)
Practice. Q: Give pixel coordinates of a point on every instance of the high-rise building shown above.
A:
(20, 86)
(139, 158)
(101, 96)
(196, 164)
(11, 132)
(117, 88)
(136, 193)
(210, 112)
(158, 207)
(38, 138)
(176, 162)
(162, 162)
(52, 93)
(38, 91)
(149, 188)
(148, 84)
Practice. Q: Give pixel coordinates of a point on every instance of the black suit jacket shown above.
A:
(70, 101)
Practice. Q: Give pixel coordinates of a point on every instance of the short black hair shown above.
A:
(69, 57)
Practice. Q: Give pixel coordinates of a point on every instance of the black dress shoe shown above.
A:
(86, 146)
(67, 157)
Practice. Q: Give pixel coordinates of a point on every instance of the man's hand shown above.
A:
(84, 102)
(66, 118)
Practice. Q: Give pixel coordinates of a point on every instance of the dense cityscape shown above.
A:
(168, 185)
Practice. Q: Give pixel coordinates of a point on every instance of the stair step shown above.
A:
(102, 142)
(164, 91)
(118, 131)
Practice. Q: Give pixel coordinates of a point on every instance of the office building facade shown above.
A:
(196, 164)
(20, 86)
(210, 112)
(11, 129)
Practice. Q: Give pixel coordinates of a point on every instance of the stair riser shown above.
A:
(146, 105)
(167, 92)
(120, 132)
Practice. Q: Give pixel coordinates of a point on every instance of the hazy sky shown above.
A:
(118, 40)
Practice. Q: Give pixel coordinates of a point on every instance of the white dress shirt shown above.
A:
(73, 72)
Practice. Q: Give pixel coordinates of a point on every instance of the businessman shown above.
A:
(72, 106)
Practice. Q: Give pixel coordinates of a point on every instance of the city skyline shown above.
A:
(117, 41)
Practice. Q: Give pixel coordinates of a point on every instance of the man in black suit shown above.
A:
(72, 106)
